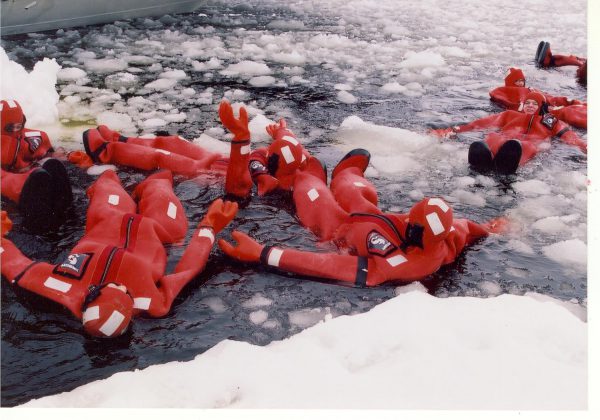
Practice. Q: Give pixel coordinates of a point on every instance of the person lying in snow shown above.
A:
(37, 183)
(519, 136)
(117, 270)
(270, 167)
(378, 247)
(545, 59)
(513, 93)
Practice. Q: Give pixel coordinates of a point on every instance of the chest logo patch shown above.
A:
(34, 143)
(74, 266)
(549, 120)
(377, 244)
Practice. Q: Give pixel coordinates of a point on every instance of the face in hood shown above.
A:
(13, 119)
(540, 107)
(514, 74)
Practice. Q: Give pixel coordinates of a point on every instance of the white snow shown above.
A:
(414, 351)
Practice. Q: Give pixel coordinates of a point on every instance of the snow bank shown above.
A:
(412, 352)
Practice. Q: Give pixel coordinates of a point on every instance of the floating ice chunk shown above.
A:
(305, 318)
(262, 81)
(139, 60)
(271, 324)
(453, 52)
(121, 80)
(294, 58)
(551, 225)
(153, 123)
(247, 68)
(470, 198)
(490, 288)
(213, 145)
(342, 86)
(286, 25)
(213, 63)
(257, 301)
(161, 84)
(520, 247)
(96, 170)
(257, 127)
(173, 74)
(258, 317)
(175, 117)
(70, 74)
(395, 30)
(296, 71)
(346, 97)
(416, 195)
(116, 121)
(105, 65)
(393, 87)
(422, 59)
(532, 187)
(330, 42)
(569, 252)
(215, 304)
(464, 181)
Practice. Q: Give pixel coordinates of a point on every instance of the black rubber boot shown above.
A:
(508, 157)
(36, 202)
(480, 156)
(540, 56)
(61, 187)
(358, 158)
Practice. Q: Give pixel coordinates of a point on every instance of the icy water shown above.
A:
(388, 63)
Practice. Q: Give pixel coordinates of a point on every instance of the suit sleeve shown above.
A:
(564, 133)
(492, 121)
(190, 265)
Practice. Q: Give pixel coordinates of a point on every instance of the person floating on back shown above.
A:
(545, 59)
(518, 136)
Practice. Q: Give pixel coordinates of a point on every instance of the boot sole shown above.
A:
(508, 157)
(63, 195)
(361, 161)
(480, 157)
(35, 203)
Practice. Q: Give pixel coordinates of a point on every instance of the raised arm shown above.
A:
(491, 121)
(238, 180)
(564, 133)
(194, 258)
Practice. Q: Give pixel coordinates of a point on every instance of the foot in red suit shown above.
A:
(117, 270)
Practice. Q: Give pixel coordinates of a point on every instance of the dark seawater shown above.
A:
(44, 350)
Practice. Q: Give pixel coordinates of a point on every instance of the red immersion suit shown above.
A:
(123, 246)
(378, 247)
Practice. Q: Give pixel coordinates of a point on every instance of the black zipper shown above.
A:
(530, 122)
(14, 160)
(129, 223)
(107, 266)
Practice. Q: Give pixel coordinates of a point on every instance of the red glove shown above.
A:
(266, 183)
(247, 249)
(6, 223)
(80, 158)
(444, 133)
(239, 127)
(275, 130)
(219, 214)
(498, 225)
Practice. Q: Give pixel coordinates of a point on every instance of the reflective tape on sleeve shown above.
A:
(290, 139)
(438, 202)
(91, 314)
(274, 257)
(113, 199)
(172, 210)
(55, 284)
(313, 194)
(33, 134)
(435, 223)
(396, 260)
(287, 154)
(207, 233)
(163, 151)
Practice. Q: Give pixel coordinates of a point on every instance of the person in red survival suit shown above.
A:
(545, 59)
(270, 167)
(117, 269)
(42, 192)
(379, 247)
(513, 93)
(521, 135)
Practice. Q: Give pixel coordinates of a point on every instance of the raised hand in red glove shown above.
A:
(219, 214)
(238, 126)
(444, 133)
(278, 130)
(246, 250)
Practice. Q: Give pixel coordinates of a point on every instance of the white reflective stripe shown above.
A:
(287, 154)
(91, 314)
(452, 229)
(33, 134)
(207, 233)
(244, 150)
(172, 210)
(163, 151)
(313, 194)
(435, 223)
(396, 260)
(303, 158)
(112, 323)
(359, 184)
(274, 257)
(1, 250)
(113, 199)
(440, 203)
(61, 286)
(141, 303)
(290, 139)
(11, 103)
